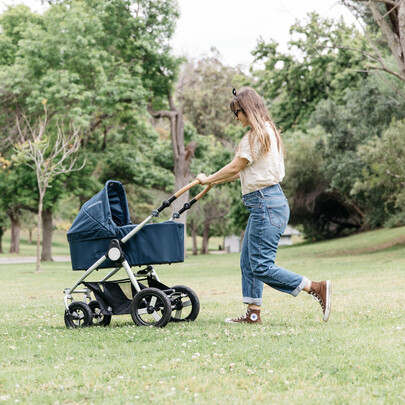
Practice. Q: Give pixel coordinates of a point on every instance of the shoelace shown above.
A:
(241, 318)
(318, 298)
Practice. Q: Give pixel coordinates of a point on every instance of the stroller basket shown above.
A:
(115, 297)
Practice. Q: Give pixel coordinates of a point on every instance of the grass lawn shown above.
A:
(358, 357)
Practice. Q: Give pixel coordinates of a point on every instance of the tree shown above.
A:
(314, 69)
(4, 164)
(3, 227)
(182, 154)
(384, 175)
(47, 161)
(366, 113)
(390, 18)
(96, 62)
(204, 92)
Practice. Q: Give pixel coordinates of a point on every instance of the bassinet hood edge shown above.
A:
(95, 219)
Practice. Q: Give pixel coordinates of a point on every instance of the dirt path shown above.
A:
(29, 259)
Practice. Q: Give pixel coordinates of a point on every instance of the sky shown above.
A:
(234, 26)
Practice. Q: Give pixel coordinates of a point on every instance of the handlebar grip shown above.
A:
(186, 187)
(205, 191)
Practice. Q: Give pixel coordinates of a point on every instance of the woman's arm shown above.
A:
(226, 180)
(227, 173)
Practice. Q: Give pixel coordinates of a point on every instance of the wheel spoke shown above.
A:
(77, 315)
(156, 316)
(153, 301)
(187, 303)
(178, 314)
(142, 311)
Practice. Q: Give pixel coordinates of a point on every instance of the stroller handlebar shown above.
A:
(205, 191)
(188, 205)
(168, 202)
(185, 188)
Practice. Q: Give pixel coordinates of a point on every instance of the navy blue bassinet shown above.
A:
(105, 217)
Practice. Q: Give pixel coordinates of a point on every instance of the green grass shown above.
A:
(293, 358)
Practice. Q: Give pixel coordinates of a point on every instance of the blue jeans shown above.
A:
(269, 214)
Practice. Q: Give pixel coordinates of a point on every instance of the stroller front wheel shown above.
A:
(99, 319)
(185, 304)
(151, 307)
(79, 315)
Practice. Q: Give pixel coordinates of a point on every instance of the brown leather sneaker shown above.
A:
(251, 316)
(322, 292)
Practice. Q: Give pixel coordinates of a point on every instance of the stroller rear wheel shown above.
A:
(185, 304)
(151, 307)
(99, 319)
(79, 315)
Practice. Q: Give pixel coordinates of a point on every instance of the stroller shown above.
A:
(102, 236)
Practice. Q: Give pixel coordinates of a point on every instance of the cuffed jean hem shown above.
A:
(302, 285)
(254, 301)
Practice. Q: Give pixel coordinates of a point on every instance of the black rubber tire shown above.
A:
(187, 299)
(151, 307)
(98, 318)
(79, 315)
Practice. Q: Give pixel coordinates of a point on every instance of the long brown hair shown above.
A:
(256, 112)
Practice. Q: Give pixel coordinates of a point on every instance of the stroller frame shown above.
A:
(157, 301)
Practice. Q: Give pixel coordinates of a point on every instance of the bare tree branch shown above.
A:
(390, 2)
(34, 151)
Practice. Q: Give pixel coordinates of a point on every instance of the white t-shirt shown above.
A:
(266, 170)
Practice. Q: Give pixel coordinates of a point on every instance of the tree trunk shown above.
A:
(15, 231)
(394, 34)
(47, 229)
(206, 236)
(182, 156)
(39, 223)
(1, 239)
(30, 236)
(194, 236)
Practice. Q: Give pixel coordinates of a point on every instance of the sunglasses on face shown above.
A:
(236, 112)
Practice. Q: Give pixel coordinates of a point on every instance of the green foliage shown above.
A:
(293, 83)
(96, 63)
(146, 162)
(365, 114)
(305, 179)
(384, 173)
(205, 90)
(303, 161)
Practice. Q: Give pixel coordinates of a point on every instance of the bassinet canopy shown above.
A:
(101, 216)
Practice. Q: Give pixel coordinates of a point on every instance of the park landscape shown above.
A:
(293, 357)
(91, 91)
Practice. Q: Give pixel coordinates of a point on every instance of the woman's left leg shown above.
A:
(267, 225)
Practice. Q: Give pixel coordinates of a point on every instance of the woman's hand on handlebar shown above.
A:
(202, 178)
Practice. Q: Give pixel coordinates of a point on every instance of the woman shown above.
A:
(259, 163)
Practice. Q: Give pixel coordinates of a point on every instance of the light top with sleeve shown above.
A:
(261, 170)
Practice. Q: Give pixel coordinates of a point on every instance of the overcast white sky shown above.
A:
(233, 26)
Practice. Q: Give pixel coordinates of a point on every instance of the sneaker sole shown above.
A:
(328, 301)
(250, 323)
